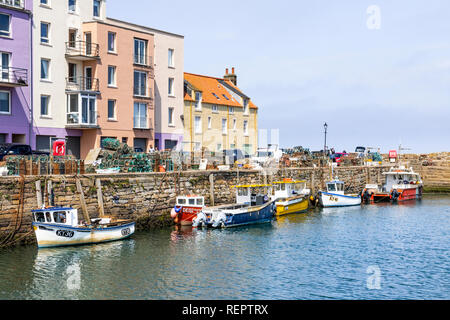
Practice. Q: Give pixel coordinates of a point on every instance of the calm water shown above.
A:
(326, 254)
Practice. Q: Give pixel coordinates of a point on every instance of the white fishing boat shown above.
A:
(253, 205)
(336, 197)
(57, 226)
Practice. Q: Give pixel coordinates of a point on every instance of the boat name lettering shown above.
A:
(126, 231)
(65, 233)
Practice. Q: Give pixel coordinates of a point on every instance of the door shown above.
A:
(88, 41)
(88, 109)
(4, 68)
(88, 78)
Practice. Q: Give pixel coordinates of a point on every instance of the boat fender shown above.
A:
(173, 213)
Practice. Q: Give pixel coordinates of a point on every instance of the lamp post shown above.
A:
(325, 145)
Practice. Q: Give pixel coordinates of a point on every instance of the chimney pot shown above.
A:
(226, 71)
(232, 70)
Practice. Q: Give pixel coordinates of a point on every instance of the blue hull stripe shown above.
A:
(81, 229)
(339, 195)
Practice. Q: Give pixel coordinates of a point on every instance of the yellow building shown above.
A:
(218, 115)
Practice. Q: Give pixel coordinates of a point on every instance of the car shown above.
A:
(16, 149)
(337, 157)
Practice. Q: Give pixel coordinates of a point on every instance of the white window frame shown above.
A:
(209, 122)
(45, 5)
(114, 118)
(48, 106)
(198, 128)
(215, 108)
(9, 100)
(114, 76)
(9, 35)
(48, 33)
(139, 84)
(8, 73)
(99, 9)
(140, 104)
(114, 34)
(171, 54)
(170, 119)
(139, 58)
(75, 5)
(48, 70)
(224, 126)
(198, 103)
(231, 110)
(245, 127)
(171, 84)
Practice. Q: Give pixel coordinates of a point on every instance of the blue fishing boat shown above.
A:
(253, 205)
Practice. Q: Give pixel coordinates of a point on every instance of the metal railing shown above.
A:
(11, 75)
(82, 84)
(88, 118)
(13, 3)
(143, 60)
(141, 123)
(82, 48)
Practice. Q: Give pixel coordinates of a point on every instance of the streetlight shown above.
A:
(325, 145)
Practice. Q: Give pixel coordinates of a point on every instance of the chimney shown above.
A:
(232, 77)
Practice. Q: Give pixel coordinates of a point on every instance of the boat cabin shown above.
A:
(401, 178)
(335, 186)
(289, 188)
(63, 216)
(190, 201)
(253, 195)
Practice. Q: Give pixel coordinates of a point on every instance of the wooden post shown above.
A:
(83, 201)
(98, 184)
(211, 188)
(313, 182)
(39, 194)
(51, 200)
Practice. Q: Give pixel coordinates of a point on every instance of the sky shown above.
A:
(377, 72)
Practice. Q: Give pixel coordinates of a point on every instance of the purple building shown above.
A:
(15, 71)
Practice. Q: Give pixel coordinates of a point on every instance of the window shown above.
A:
(4, 67)
(198, 101)
(44, 2)
(234, 124)
(111, 42)
(5, 20)
(231, 110)
(225, 96)
(72, 5)
(198, 124)
(170, 57)
(171, 93)
(45, 105)
(215, 109)
(72, 38)
(171, 117)
(59, 217)
(111, 109)
(5, 102)
(45, 68)
(209, 122)
(140, 115)
(140, 83)
(215, 95)
(219, 147)
(97, 8)
(72, 72)
(245, 127)
(45, 29)
(111, 76)
(140, 51)
(224, 126)
(245, 106)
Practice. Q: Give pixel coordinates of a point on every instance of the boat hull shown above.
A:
(288, 206)
(186, 215)
(245, 216)
(338, 200)
(403, 195)
(52, 235)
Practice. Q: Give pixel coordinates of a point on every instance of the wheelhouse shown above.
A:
(335, 187)
(252, 194)
(63, 216)
(288, 188)
(190, 201)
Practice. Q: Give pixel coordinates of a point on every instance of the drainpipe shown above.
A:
(30, 83)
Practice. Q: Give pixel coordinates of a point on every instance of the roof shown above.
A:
(214, 91)
(51, 209)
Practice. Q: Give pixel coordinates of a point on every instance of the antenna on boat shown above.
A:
(400, 151)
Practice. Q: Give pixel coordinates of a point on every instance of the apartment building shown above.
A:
(218, 115)
(65, 91)
(168, 86)
(15, 71)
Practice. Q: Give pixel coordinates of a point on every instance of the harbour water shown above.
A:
(371, 252)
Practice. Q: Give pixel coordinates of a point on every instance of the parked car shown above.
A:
(15, 149)
(337, 157)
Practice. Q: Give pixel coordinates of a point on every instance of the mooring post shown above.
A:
(51, 199)
(98, 184)
(313, 182)
(83, 201)
(211, 188)
(38, 194)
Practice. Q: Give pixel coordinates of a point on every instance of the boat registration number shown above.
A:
(126, 231)
(65, 233)
(332, 198)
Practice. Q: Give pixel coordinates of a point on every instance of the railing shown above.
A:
(138, 92)
(82, 84)
(13, 3)
(143, 60)
(17, 76)
(88, 118)
(82, 48)
(141, 123)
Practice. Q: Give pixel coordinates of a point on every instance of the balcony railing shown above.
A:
(83, 119)
(143, 60)
(19, 4)
(82, 84)
(82, 50)
(13, 76)
(141, 123)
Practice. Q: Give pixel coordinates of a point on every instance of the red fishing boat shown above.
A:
(186, 209)
(401, 184)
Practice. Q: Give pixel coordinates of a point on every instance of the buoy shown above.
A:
(173, 213)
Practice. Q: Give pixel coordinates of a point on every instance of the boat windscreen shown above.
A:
(331, 187)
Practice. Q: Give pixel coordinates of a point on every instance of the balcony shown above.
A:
(141, 123)
(82, 50)
(84, 117)
(143, 61)
(82, 84)
(13, 77)
(17, 4)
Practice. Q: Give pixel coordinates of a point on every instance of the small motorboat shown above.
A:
(253, 205)
(400, 184)
(57, 226)
(186, 209)
(335, 196)
(290, 197)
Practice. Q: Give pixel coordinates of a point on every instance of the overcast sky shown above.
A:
(376, 82)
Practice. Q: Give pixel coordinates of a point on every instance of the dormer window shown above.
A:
(215, 95)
